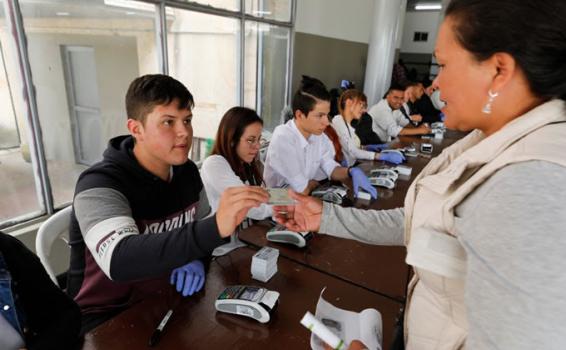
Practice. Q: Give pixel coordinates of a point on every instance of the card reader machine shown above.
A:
(281, 234)
(254, 302)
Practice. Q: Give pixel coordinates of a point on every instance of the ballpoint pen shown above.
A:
(156, 335)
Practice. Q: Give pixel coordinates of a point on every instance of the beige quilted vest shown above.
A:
(435, 313)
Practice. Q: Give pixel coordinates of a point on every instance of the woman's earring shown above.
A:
(487, 108)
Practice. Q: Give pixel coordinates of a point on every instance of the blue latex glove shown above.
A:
(377, 147)
(392, 157)
(344, 163)
(359, 179)
(188, 278)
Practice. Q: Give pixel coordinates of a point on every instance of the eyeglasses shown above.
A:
(252, 141)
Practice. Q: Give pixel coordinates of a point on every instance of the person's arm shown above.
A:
(217, 176)
(346, 138)
(512, 228)
(340, 174)
(419, 130)
(112, 236)
(379, 227)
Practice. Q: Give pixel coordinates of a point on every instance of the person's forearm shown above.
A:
(312, 184)
(150, 255)
(379, 227)
(407, 131)
(340, 174)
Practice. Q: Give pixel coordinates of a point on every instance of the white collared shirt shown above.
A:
(293, 160)
(386, 122)
(217, 176)
(349, 141)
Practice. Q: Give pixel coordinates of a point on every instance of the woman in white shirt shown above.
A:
(234, 158)
(352, 105)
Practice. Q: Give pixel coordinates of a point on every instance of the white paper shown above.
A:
(365, 326)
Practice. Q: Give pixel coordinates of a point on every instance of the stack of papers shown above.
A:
(264, 264)
(365, 326)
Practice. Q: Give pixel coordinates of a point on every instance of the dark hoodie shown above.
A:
(167, 230)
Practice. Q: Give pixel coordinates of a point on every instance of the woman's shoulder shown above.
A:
(214, 162)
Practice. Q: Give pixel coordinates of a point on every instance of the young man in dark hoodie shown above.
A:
(140, 215)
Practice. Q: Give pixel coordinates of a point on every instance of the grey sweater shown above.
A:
(513, 229)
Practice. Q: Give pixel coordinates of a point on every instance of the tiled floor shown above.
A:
(18, 194)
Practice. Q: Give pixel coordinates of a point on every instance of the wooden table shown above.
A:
(196, 325)
(381, 269)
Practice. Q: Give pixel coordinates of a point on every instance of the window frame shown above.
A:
(14, 19)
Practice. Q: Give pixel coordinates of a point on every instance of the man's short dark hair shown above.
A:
(394, 87)
(311, 89)
(152, 90)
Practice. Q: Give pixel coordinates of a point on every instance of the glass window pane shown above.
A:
(279, 10)
(203, 55)
(19, 197)
(83, 56)
(266, 70)
(233, 5)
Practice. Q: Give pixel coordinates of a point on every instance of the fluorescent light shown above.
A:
(130, 5)
(424, 6)
(62, 13)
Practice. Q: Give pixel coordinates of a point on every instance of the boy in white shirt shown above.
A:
(299, 149)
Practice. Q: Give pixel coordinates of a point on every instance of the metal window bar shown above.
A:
(15, 21)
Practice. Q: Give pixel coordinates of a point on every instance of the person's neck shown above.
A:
(348, 117)
(514, 111)
(157, 168)
(303, 132)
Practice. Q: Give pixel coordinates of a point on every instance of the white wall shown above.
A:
(339, 19)
(420, 21)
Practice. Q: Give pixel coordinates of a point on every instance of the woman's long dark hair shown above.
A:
(230, 130)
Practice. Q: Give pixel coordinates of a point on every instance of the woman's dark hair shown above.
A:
(351, 94)
(229, 133)
(310, 91)
(532, 31)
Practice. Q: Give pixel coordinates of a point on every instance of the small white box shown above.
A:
(364, 195)
(404, 170)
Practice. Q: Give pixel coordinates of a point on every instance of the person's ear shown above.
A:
(135, 127)
(504, 67)
(299, 114)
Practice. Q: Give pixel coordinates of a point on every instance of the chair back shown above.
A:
(57, 226)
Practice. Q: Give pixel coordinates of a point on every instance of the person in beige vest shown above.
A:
(484, 223)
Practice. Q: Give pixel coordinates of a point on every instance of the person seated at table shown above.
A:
(299, 151)
(234, 158)
(420, 103)
(364, 130)
(483, 222)
(140, 216)
(352, 104)
(34, 312)
(388, 120)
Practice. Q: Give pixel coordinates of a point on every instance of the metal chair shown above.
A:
(57, 226)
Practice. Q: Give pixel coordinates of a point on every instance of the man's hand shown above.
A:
(305, 215)
(235, 204)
